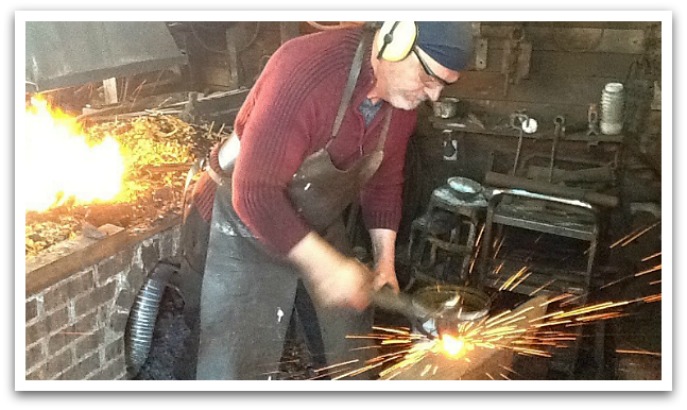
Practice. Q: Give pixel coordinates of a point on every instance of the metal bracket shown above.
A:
(593, 120)
(516, 58)
(481, 53)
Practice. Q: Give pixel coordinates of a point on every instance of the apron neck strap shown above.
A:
(352, 80)
(385, 130)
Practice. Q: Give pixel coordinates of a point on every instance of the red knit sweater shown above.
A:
(287, 116)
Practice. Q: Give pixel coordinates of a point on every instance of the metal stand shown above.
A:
(582, 224)
(449, 225)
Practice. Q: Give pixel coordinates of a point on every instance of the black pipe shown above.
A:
(141, 322)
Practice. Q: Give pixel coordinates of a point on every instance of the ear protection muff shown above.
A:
(396, 39)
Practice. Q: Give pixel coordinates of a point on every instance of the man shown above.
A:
(326, 124)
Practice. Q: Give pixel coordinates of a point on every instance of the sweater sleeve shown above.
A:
(381, 199)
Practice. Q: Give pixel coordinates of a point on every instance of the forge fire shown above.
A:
(125, 172)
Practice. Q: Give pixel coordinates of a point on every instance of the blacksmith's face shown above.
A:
(417, 78)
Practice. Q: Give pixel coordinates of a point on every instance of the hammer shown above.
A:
(386, 298)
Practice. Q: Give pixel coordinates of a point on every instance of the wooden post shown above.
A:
(110, 91)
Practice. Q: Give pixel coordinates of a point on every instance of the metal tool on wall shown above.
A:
(523, 124)
(593, 120)
(558, 133)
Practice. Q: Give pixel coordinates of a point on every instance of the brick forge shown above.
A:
(78, 299)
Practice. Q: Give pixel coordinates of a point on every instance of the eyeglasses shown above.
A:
(428, 70)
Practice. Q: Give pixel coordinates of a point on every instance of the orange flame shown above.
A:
(61, 164)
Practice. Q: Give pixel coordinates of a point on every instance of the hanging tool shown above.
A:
(593, 123)
(593, 120)
(516, 122)
(558, 133)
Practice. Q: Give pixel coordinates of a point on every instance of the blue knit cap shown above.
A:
(449, 43)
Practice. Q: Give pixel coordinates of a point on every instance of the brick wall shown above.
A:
(75, 322)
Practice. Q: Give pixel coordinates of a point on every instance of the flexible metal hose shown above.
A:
(141, 323)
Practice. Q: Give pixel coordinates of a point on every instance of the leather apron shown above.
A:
(248, 294)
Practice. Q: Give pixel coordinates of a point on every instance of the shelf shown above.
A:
(470, 126)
